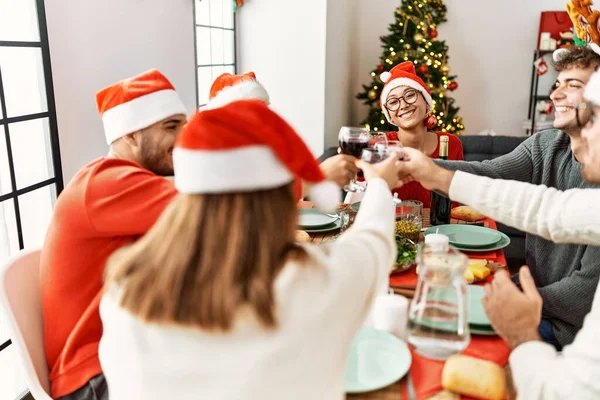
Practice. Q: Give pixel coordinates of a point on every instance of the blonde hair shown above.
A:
(207, 256)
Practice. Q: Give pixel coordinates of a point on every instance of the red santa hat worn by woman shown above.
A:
(243, 147)
(403, 74)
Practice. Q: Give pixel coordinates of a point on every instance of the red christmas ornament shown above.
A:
(431, 122)
(453, 86)
(433, 34)
(380, 68)
(423, 69)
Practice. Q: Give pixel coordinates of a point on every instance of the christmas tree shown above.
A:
(413, 38)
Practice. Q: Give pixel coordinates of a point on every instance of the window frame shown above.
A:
(210, 65)
(50, 114)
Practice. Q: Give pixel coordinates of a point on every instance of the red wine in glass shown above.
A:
(353, 147)
(352, 142)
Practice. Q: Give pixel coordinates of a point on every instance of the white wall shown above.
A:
(491, 50)
(339, 66)
(96, 43)
(284, 43)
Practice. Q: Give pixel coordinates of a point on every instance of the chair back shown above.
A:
(20, 294)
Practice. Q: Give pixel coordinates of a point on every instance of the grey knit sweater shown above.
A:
(566, 274)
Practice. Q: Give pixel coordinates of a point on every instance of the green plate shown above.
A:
(477, 315)
(311, 218)
(376, 360)
(482, 331)
(502, 243)
(327, 228)
(470, 236)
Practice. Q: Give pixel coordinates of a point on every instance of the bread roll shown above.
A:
(465, 213)
(444, 395)
(474, 377)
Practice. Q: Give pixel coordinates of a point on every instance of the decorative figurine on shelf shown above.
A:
(567, 39)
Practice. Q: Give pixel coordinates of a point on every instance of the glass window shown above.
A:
(30, 172)
(215, 43)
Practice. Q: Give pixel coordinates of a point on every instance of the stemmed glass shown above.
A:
(395, 145)
(352, 141)
(375, 154)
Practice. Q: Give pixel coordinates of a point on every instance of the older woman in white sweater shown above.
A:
(217, 301)
(572, 216)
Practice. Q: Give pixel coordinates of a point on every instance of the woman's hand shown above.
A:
(339, 169)
(388, 170)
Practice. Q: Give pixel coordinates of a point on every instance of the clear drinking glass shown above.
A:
(374, 155)
(409, 217)
(352, 141)
(396, 145)
(438, 323)
(377, 139)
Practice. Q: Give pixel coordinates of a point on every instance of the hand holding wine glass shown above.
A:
(352, 141)
(380, 163)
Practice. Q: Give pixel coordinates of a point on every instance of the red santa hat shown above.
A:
(228, 88)
(245, 147)
(403, 74)
(136, 103)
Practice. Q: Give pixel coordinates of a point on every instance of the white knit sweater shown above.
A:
(320, 307)
(572, 216)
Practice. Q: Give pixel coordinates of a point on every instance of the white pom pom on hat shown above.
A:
(385, 76)
(558, 54)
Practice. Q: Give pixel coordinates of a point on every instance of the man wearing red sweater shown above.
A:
(110, 203)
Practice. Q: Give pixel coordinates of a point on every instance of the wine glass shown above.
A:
(352, 141)
(395, 145)
(375, 154)
(378, 139)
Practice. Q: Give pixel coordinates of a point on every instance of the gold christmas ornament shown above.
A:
(418, 38)
(372, 94)
(407, 46)
(445, 69)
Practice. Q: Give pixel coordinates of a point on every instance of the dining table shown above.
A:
(425, 375)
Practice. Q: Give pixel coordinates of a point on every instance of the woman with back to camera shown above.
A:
(217, 301)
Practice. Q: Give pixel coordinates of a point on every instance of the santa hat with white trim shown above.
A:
(228, 88)
(403, 74)
(245, 147)
(136, 103)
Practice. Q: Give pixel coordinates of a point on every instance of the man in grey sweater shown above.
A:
(566, 275)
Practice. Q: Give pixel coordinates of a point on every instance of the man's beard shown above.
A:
(156, 161)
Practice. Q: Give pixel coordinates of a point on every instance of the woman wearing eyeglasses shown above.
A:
(407, 103)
